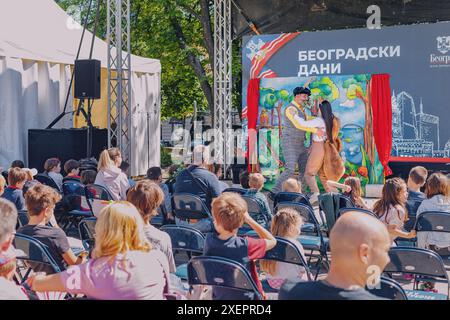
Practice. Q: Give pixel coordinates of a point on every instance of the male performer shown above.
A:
(293, 139)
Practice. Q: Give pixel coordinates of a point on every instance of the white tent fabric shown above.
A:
(38, 43)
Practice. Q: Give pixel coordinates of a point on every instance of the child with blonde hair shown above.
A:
(124, 264)
(256, 183)
(110, 175)
(287, 224)
(292, 185)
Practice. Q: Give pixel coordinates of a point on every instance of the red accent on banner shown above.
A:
(382, 118)
(252, 116)
(417, 159)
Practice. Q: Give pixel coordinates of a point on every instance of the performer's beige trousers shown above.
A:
(313, 166)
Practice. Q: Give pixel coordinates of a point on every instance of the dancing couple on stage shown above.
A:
(322, 157)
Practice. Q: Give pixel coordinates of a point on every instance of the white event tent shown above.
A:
(38, 46)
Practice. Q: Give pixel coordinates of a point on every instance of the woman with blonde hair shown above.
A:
(110, 175)
(124, 264)
(286, 223)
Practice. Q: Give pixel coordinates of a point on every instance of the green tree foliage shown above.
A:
(180, 34)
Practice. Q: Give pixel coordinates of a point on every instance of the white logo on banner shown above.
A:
(443, 44)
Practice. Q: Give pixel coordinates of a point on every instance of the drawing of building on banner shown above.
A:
(414, 132)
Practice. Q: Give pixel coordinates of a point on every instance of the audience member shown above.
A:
(30, 180)
(2, 185)
(125, 166)
(217, 169)
(124, 266)
(154, 174)
(88, 177)
(243, 179)
(14, 193)
(8, 219)
(72, 169)
(147, 196)
(17, 164)
(197, 180)
(109, 174)
(391, 210)
(357, 243)
(355, 192)
(416, 180)
(437, 191)
(256, 183)
(292, 185)
(40, 201)
(52, 168)
(287, 224)
(230, 213)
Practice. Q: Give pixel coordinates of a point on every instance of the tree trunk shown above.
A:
(208, 36)
(195, 63)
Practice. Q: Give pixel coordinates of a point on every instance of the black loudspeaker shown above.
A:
(87, 79)
(63, 144)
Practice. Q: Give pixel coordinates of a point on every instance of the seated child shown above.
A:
(292, 185)
(256, 183)
(40, 201)
(391, 210)
(355, 192)
(52, 167)
(17, 178)
(286, 223)
(230, 213)
(72, 168)
(8, 289)
(416, 180)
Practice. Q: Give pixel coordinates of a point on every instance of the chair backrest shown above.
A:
(286, 251)
(22, 218)
(305, 211)
(240, 191)
(291, 197)
(389, 289)
(348, 209)
(221, 272)
(96, 191)
(189, 206)
(416, 261)
(435, 221)
(35, 254)
(161, 218)
(345, 202)
(72, 187)
(185, 238)
(45, 179)
(256, 211)
(86, 229)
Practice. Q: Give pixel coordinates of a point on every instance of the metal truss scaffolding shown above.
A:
(119, 76)
(222, 81)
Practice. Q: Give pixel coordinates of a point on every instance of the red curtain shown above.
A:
(252, 116)
(382, 118)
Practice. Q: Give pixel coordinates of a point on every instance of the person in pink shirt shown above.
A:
(124, 264)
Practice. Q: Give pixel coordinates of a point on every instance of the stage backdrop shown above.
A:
(417, 57)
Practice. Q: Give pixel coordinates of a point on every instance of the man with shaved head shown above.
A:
(359, 246)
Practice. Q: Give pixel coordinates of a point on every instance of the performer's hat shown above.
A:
(301, 90)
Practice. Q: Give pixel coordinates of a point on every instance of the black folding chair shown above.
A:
(74, 193)
(94, 192)
(236, 190)
(389, 289)
(424, 265)
(45, 179)
(434, 221)
(185, 239)
(223, 273)
(162, 218)
(332, 215)
(86, 229)
(349, 209)
(22, 219)
(311, 238)
(36, 257)
(186, 207)
(291, 197)
(256, 211)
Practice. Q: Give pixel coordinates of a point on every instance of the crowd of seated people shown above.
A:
(132, 259)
